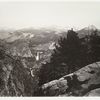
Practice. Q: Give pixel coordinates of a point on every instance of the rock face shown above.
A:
(84, 82)
(15, 79)
(95, 92)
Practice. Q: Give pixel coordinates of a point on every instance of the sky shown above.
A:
(46, 14)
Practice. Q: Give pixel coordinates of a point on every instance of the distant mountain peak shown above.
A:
(90, 27)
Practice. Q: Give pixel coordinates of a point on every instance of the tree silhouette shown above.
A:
(66, 58)
(71, 54)
(95, 46)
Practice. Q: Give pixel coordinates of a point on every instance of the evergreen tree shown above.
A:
(94, 46)
(71, 54)
(66, 58)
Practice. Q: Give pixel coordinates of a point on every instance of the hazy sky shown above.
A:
(64, 14)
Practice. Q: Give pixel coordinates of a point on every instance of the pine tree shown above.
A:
(95, 46)
(66, 58)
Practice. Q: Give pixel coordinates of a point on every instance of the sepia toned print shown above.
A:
(49, 49)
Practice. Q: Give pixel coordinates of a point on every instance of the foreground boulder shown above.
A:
(79, 83)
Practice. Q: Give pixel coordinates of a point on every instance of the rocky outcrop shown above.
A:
(95, 92)
(15, 79)
(80, 83)
(19, 48)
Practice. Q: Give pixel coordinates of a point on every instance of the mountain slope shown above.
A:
(15, 79)
(87, 31)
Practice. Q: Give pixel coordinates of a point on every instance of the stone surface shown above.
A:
(95, 92)
(14, 77)
(78, 83)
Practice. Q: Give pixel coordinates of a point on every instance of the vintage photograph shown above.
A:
(50, 48)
